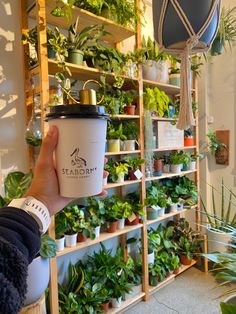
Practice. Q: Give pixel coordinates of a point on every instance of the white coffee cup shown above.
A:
(81, 148)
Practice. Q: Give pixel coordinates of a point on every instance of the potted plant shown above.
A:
(216, 147)
(128, 99)
(219, 230)
(162, 68)
(121, 169)
(38, 270)
(77, 43)
(95, 223)
(123, 210)
(151, 202)
(157, 274)
(175, 264)
(186, 160)
(186, 250)
(193, 162)
(174, 74)
(114, 136)
(130, 131)
(226, 31)
(60, 227)
(188, 137)
(158, 165)
(157, 101)
(134, 165)
(134, 200)
(70, 215)
(176, 162)
(151, 54)
(111, 214)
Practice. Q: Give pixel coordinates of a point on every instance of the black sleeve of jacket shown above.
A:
(19, 243)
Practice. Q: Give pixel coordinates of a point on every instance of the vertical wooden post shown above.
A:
(205, 251)
(141, 141)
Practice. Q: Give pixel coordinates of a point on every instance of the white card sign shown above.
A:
(138, 174)
(168, 136)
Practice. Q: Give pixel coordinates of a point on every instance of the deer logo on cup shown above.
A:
(77, 160)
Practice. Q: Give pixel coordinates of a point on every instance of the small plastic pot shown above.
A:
(81, 237)
(188, 141)
(134, 222)
(129, 110)
(152, 213)
(112, 226)
(184, 260)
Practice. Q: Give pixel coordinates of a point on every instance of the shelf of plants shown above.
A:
(86, 18)
(104, 236)
(170, 175)
(125, 152)
(173, 148)
(88, 73)
(115, 185)
(134, 83)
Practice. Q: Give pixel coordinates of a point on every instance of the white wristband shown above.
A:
(34, 208)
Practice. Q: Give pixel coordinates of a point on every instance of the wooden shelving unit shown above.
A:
(40, 11)
(173, 148)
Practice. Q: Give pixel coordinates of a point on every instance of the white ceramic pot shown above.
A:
(37, 280)
(135, 290)
(131, 71)
(151, 258)
(121, 224)
(166, 168)
(173, 208)
(161, 212)
(97, 231)
(128, 145)
(192, 165)
(176, 168)
(149, 70)
(121, 178)
(116, 302)
(217, 241)
(60, 244)
(70, 240)
(162, 72)
(104, 182)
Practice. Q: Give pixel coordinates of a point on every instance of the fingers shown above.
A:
(105, 174)
(104, 192)
(48, 146)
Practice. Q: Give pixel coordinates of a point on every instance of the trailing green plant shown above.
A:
(69, 217)
(220, 218)
(195, 157)
(155, 196)
(63, 9)
(133, 162)
(214, 144)
(226, 31)
(196, 64)
(157, 101)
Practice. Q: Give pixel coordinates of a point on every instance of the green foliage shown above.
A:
(48, 247)
(115, 132)
(63, 9)
(214, 145)
(157, 101)
(133, 162)
(224, 221)
(15, 185)
(156, 196)
(177, 158)
(130, 130)
(227, 308)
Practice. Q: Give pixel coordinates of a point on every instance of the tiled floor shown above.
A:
(190, 293)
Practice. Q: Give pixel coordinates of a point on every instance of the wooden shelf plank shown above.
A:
(126, 304)
(173, 148)
(167, 88)
(166, 216)
(170, 175)
(86, 73)
(122, 152)
(103, 237)
(117, 32)
(115, 185)
(124, 116)
(164, 119)
(185, 267)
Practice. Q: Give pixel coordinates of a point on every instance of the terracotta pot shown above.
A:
(129, 110)
(105, 306)
(184, 260)
(112, 226)
(188, 141)
(222, 156)
(131, 175)
(153, 280)
(158, 166)
(134, 222)
(81, 238)
(176, 271)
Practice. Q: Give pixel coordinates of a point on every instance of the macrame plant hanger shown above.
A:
(186, 118)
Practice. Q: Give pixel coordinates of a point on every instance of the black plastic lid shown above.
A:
(76, 111)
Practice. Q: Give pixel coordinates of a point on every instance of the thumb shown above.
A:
(48, 146)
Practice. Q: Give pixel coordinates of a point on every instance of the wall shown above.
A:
(217, 99)
(12, 109)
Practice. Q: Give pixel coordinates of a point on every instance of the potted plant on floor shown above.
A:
(114, 136)
(188, 137)
(219, 230)
(130, 131)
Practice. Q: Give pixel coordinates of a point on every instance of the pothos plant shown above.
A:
(157, 101)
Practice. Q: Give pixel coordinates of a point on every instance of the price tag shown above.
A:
(132, 217)
(138, 174)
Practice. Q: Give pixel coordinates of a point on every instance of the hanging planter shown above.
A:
(182, 28)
